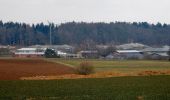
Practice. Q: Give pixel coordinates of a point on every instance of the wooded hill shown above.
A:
(79, 33)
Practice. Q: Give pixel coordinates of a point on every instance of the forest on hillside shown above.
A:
(79, 33)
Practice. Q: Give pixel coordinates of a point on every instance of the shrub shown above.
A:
(85, 68)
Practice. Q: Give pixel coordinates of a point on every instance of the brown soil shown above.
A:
(14, 69)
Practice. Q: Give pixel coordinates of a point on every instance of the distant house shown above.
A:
(65, 51)
(156, 53)
(88, 54)
(115, 56)
(129, 54)
(7, 50)
(158, 56)
(29, 52)
(61, 54)
(125, 54)
(156, 50)
(63, 48)
(8, 46)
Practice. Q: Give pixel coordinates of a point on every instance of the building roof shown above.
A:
(163, 49)
(7, 46)
(27, 49)
(128, 51)
(161, 54)
(61, 53)
(131, 46)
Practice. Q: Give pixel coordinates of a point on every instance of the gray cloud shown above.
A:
(33, 11)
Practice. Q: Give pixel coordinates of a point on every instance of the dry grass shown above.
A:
(105, 74)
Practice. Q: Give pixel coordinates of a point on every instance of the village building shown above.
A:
(88, 54)
(6, 51)
(130, 54)
(156, 53)
(151, 50)
(63, 48)
(159, 56)
(64, 51)
(29, 52)
(125, 54)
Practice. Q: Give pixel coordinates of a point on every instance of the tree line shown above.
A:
(81, 33)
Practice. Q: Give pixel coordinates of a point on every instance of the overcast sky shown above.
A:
(60, 11)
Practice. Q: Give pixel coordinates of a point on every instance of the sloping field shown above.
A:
(13, 69)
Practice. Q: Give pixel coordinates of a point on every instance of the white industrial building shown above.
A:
(30, 52)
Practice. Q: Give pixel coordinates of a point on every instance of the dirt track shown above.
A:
(13, 69)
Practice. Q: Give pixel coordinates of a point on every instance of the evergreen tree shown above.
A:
(50, 53)
(84, 33)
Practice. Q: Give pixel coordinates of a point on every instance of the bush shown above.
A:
(85, 68)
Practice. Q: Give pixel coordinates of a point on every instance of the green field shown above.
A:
(122, 88)
(125, 66)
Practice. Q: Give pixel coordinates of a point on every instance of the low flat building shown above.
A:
(29, 52)
(63, 48)
(156, 50)
(158, 56)
(88, 54)
(128, 54)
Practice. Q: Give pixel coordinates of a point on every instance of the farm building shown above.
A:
(67, 55)
(64, 51)
(131, 54)
(151, 50)
(63, 48)
(29, 52)
(156, 53)
(126, 54)
(88, 54)
(6, 50)
(114, 55)
(159, 56)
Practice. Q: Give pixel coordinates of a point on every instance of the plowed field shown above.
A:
(14, 69)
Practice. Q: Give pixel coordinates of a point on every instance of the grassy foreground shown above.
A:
(120, 88)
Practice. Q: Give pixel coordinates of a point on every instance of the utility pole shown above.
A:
(50, 33)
